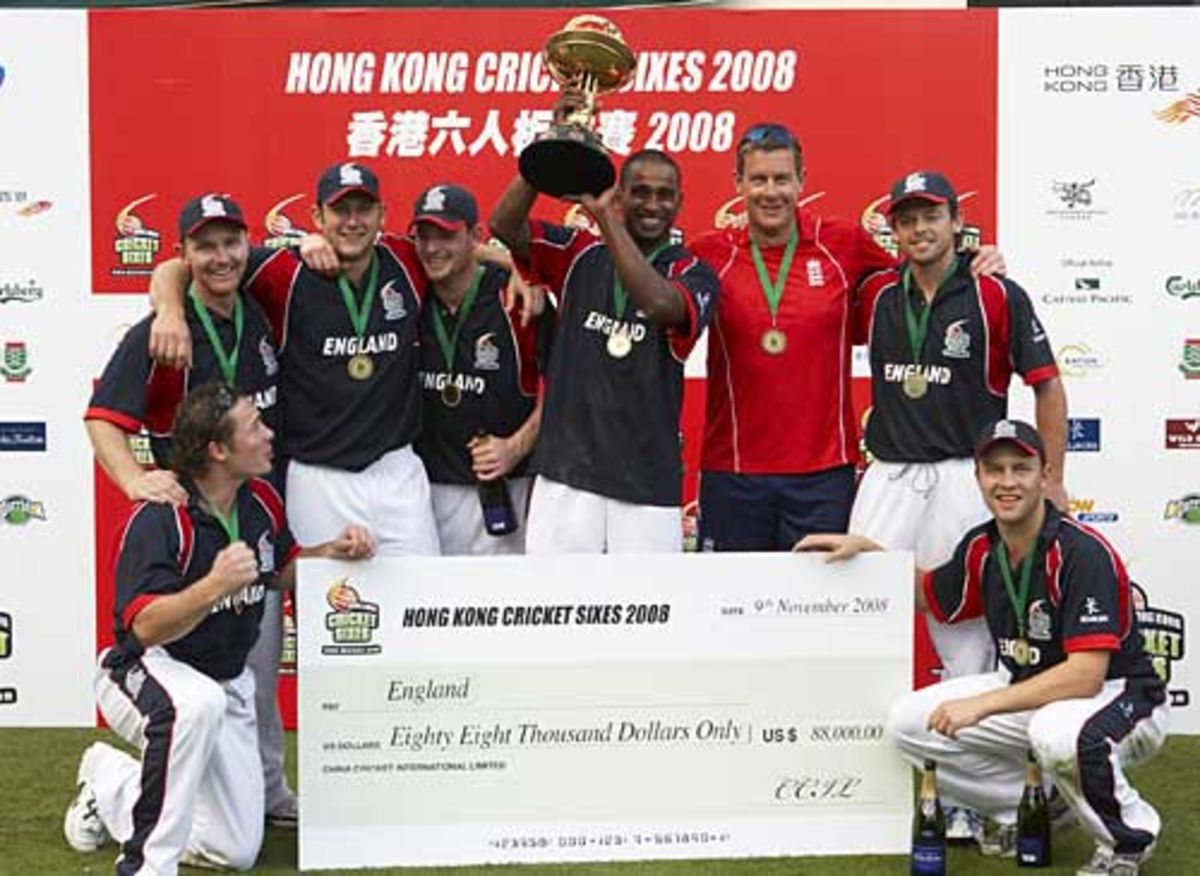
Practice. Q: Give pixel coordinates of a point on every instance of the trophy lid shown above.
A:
(594, 45)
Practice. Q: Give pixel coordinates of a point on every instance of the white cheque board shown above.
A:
(462, 711)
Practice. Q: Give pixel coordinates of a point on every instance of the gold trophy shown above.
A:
(569, 159)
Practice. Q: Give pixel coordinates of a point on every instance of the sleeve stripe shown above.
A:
(135, 607)
(993, 306)
(1124, 603)
(270, 501)
(971, 599)
(681, 341)
(1041, 375)
(931, 600)
(183, 522)
(118, 418)
(1094, 642)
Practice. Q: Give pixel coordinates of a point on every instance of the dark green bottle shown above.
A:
(929, 828)
(1033, 820)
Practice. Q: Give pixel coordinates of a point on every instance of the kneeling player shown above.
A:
(1074, 686)
(191, 581)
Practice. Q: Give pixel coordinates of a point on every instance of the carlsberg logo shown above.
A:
(1178, 287)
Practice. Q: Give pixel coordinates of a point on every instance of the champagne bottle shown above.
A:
(1033, 820)
(929, 828)
(495, 502)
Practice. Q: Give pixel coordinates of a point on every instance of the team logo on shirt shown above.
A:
(816, 277)
(1040, 623)
(897, 372)
(267, 351)
(136, 245)
(606, 325)
(352, 622)
(1092, 613)
(266, 554)
(393, 302)
(18, 510)
(957, 344)
(487, 354)
(384, 342)
(1163, 639)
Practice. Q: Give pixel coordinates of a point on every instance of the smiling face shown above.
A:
(650, 200)
(216, 254)
(1013, 483)
(770, 185)
(350, 224)
(444, 254)
(925, 231)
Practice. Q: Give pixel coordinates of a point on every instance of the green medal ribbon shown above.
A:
(1018, 598)
(360, 315)
(620, 296)
(774, 290)
(919, 328)
(226, 361)
(449, 342)
(230, 523)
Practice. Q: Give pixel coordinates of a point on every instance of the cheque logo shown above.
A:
(875, 222)
(281, 231)
(136, 245)
(1163, 638)
(1179, 111)
(352, 623)
(19, 510)
(816, 790)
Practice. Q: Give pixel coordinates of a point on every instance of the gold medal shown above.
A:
(774, 341)
(619, 345)
(361, 366)
(1020, 652)
(916, 384)
(451, 395)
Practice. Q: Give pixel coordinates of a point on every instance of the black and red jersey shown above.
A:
(165, 550)
(328, 417)
(611, 424)
(1079, 598)
(135, 392)
(982, 330)
(494, 377)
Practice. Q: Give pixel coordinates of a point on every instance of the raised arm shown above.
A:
(170, 340)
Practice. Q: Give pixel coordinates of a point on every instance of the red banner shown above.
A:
(256, 103)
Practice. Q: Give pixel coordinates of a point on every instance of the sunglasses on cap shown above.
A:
(767, 131)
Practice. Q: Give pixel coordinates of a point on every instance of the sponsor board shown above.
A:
(1182, 434)
(1164, 638)
(1085, 511)
(1185, 509)
(1078, 360)
(22, 437)
(1083, 434)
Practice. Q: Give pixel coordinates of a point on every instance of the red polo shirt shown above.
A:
(789, 413)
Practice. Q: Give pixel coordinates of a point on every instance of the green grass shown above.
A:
(37, 774)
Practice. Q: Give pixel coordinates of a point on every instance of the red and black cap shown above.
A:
(201, 210)
(447, 206)
(342, 179)
(1018, 433)
(923, 185)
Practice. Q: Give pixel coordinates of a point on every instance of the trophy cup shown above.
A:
(569, 159)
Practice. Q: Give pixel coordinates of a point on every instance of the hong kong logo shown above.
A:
(352, 622)
(1190, 366)
(16, 362)
(1180, 111)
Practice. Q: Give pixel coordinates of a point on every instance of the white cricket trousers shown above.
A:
(1083, 746)
(198, 789)
(390, 497)
(926, 508)
(459, 519)
(263, 663)
(564, 520)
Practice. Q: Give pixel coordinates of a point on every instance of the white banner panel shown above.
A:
(47, 612)
(1099, 214)
(461, 711)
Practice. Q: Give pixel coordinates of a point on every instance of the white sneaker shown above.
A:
(1106, 862)
(286, 815)
(82, 827)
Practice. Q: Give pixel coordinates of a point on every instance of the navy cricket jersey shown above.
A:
(611, 426)
(165, 550)
(496, 370)
(135, 392)
(981, 331)
(1079, 598)
(328, 417)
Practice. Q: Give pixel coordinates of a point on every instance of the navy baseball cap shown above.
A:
(201, 210)
(1015, 432)
(342, 179)
(447, 206)
(923, 185)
